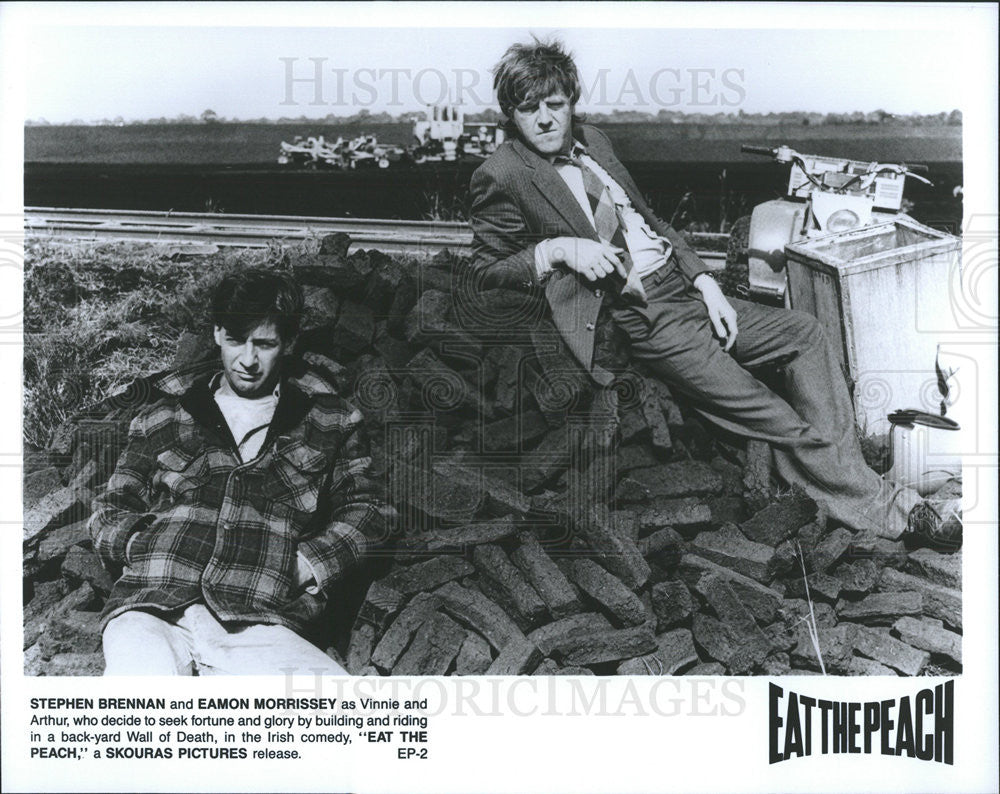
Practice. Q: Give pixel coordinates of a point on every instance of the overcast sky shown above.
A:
(678, 60)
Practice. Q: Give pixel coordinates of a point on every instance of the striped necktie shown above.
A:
(609, 226)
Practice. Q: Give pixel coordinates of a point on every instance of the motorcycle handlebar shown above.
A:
(748, 149)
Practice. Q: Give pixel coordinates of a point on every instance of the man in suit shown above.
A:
(553, 209)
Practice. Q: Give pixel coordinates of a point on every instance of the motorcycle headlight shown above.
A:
(841, 221)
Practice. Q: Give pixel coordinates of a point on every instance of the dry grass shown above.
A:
(98, 315)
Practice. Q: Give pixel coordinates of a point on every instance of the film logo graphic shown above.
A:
(921, 727)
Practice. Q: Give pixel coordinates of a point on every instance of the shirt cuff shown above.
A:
(543, 264)
(312, 589)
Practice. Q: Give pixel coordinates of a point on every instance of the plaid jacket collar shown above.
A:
(198, 400)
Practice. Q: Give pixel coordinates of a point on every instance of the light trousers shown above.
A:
(140, 643)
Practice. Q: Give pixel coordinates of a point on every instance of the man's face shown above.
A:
(546, 125)
(252, 364)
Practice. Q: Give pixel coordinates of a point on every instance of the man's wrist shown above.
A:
(543, 260)
(701, 279)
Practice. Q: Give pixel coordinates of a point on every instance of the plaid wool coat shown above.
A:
(210, 528)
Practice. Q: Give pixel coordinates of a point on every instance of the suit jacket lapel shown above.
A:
(555, 191)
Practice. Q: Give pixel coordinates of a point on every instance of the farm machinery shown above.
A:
(363, 151)
(442, 135)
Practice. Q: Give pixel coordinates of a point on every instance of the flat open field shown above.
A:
(233, 168)
(226, 144)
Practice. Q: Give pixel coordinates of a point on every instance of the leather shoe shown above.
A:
(937, 522)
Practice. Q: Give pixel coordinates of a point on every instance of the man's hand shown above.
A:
(590, 258)
(720, 312)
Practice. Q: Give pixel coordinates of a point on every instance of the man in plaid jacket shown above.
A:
(241, 497)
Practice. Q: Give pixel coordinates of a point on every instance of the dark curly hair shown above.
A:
(245, 300)
(532, 71)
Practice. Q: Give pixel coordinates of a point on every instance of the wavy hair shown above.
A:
(532, 71)
(256, 296)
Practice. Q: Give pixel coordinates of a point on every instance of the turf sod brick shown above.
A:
(672, 480)
(730, 548)
(434, 647)
(545, 577)
(779, 636)
(674, 651)
(444, 388)
(519, 657)
(634, 456)
(665, 547)
(427, 316)
(323, 304)
(474, 657)
(688, 513)
(514, 432)
(625, 524)
(881, 607)
(547, 667)
(428, 575)
(776, 663)
(608, 646)
(359, 650)
(928, 636)
(57, 509)
(795, 612)
(728, 606)
(335, 246)
(39, 484)
(608, 592)
(859, 665)
(386, 280)
(779, 520)
(829, 549)
(546, 460)
(508, 364)
(836, 644)
(494, 565)
(880, 645)
(821, 585)
(82, 565)
(707, 669)
(940, 602)
(382, 603)
(672, 604)
(757, 474)
(573, 670)
(355, 328)
(726, 509)
(564, 632)
(399, 634)
(942, 569)
(652, 413)
(463, 537)
(617, 552)
(762, 601)
(54, 543)
(858, 577)
(739, 651)
(477, 612)
(869, 545)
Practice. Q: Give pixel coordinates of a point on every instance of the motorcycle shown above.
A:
(825, 195)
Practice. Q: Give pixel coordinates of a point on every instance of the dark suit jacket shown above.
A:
(518, 200)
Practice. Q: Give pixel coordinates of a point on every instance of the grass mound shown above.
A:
(98, 315)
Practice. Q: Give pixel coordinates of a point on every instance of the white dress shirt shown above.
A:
(648, 250)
